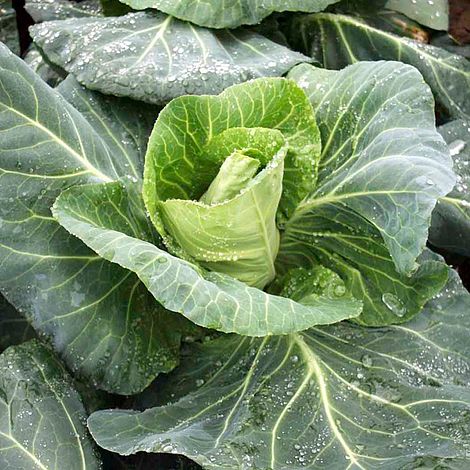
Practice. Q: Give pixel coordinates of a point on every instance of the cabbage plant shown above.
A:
(222, 240)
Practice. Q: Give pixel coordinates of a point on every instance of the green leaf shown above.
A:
(8, 29)
(192, 138)
(102, 215)
(14, 328)
(236, 235)
(339, 40)
(450, 228)
(154, 58)
(305, 285)
(41, 414)
(122, 124)
(230, 13)
(434, 14)
(187, 144)
(336, 397)
(46, 10)
(382, 168)
(36, 61)
(236, 172)
(100, 318)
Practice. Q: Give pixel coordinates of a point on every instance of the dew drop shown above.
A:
(456, 147)
(394, 304)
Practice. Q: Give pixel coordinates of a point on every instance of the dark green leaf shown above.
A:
(336, 397)
(14, 328)
(446, 42)
(382, 168)
(123, 125)
(114, 8)
(229, 13)
(450, 227)
(41, 414)
(99, 316)
(154, 58)
(8, 29)
(339, 40)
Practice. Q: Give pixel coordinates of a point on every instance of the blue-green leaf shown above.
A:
(382, 168)
(155, 58)
(41, 414)
(336, 397)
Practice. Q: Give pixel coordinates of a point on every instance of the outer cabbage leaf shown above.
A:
(14, 328)
(336, 397)
(122, 124)
(154, 58)
(382, 168)
(229, 13)
(339, 40)
(99, 317)
(48, 10)
(8, 28)
(450, 228)
(41, 414)
(434, 14)
(102, 215)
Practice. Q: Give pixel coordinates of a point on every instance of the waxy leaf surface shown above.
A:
(155, 58)
(338, 397)
(41, 414)
(339, 40)
(48, 10)
(382, 168)
(228, 13)
(99, 317)
(434, 13)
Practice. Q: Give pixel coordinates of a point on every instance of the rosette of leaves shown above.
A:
(334, 208)
(215, 172)
(125, 290)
